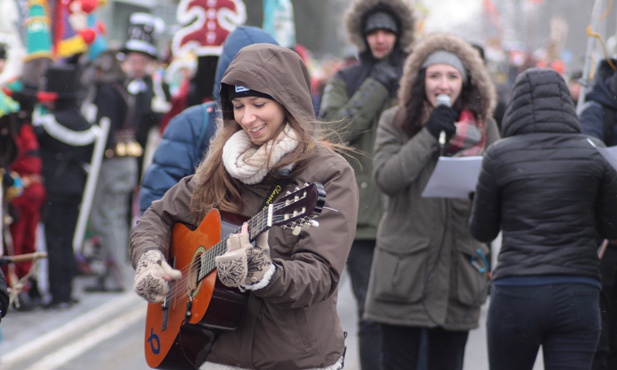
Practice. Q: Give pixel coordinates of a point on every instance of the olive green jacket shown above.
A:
(365, 106)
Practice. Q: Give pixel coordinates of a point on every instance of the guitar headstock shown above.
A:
(298, 208)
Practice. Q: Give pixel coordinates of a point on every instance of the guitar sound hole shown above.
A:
(195, 272)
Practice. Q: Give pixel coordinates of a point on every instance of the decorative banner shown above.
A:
(279, 21)
(38, 30)
(100, 44)
(207, 24)
(73, 32)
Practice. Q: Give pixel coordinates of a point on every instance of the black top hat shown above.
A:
(60, 82)
(142, 32)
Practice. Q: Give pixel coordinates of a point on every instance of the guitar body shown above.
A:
(181, 329)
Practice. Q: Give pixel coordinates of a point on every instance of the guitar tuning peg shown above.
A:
(297, 230)
(314, 223)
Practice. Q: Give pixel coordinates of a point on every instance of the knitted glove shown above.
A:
(244, 266)
(442, 119)
(387, 75)
(259, 262)
(232, 267)
(153, 275)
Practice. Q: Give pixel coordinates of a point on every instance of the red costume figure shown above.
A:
(28, 204)
(25, 207)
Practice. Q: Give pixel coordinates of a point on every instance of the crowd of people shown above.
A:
(419, 266)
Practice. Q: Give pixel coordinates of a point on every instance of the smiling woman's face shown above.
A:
(442, 79)
(261, 118)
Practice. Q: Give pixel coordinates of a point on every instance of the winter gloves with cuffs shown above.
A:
(245, 266)
(152, 276)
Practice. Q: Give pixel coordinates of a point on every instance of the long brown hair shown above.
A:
(215, 188)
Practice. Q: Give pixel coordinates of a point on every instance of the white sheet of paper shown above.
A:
(453, 177)
(610, 154)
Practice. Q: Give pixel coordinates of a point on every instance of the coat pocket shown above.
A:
(472, 278)
(399, 276)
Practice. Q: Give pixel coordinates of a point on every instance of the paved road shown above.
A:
(106, 331)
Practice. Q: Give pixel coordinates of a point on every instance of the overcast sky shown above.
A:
(461, 16)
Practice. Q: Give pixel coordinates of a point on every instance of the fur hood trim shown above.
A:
(483, 94)
(400, 9)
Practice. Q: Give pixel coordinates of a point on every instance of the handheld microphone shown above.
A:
(442, 99)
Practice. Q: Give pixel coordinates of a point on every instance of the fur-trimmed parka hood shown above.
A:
(400, 9)
(482, 94)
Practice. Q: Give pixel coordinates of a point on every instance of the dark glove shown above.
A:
(387, 75)
(442, 119)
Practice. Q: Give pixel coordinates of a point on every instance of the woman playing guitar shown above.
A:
(265, 147)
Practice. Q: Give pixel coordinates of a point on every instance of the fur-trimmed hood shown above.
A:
(482, 91)
(400, 9)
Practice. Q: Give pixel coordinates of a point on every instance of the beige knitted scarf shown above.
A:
(250, 163)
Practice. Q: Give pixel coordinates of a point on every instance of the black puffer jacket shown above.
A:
(544, 185)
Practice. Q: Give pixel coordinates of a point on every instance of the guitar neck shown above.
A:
(257, 224)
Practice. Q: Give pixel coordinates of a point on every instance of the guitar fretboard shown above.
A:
(257, 224)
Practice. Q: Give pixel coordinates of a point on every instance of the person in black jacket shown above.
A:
(599, 119)
(550, 192)
(66, 140)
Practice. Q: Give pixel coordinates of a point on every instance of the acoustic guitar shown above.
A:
(181, 329)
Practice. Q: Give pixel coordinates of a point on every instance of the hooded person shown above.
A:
(598, 118)
(600, 102)
(186, 139)
(422, 280)
(549, 191)
(265, 146)
(353, 100)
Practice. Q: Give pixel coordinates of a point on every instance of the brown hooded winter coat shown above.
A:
(292, 322)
